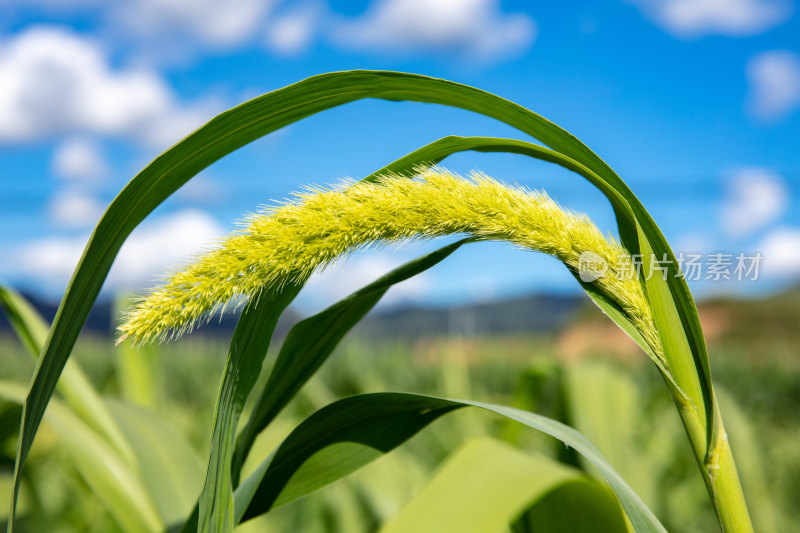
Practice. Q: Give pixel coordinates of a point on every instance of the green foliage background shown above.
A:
(131, 476)
(753, 361)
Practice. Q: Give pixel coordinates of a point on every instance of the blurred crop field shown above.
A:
(585, 374)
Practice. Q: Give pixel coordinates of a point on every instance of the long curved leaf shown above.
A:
(169, 468)
(26, 322)
(312, 340)
(74, 386)
(577, 507)
(260, 116)
(343, 436)
(110, 478)
(604, 403)
(487, 485)
(440, 149)
(306, 348)
(248, 348)
(675, 311)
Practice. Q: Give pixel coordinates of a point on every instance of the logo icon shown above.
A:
(591, 266)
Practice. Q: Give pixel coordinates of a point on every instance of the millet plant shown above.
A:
(263, 266)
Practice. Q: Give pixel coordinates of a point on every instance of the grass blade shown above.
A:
(676, 313)
(26, 322)
(137, 366)
(312, 340)
(169, 468)
(110, 478)
(222, 135)
(689, 373)
(577, 507)
(260, 116)
(604, 403)
(248, 348)
(350, 433)
(439, 150)
(74, 386)
(510, 483)
(285, 381)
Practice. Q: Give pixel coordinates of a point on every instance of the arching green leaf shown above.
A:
(260, 116)
(487, 485)
(352, 432)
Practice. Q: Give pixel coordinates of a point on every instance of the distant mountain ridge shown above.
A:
(534, 313)
(537, 313)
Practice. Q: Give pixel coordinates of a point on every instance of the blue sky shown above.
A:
(696, 103)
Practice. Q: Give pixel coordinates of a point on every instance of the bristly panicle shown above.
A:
(288, 242)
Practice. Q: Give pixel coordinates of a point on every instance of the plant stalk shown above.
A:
(718, 469)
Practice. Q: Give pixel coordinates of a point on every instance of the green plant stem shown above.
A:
(718, 469)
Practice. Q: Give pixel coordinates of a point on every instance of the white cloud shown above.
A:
(79, 159)
(48, 262)
(149, 252)
(159, 32)
(56, 82)
(72, 209)
(471, 29)
(168, 31)
(209, 22)
(774, 78)
(341, 279)
(755, 198)
(694, 18)
(292, 32)
(781, 251)
(155, 248)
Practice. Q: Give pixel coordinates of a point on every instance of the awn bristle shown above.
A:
(289, 242)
